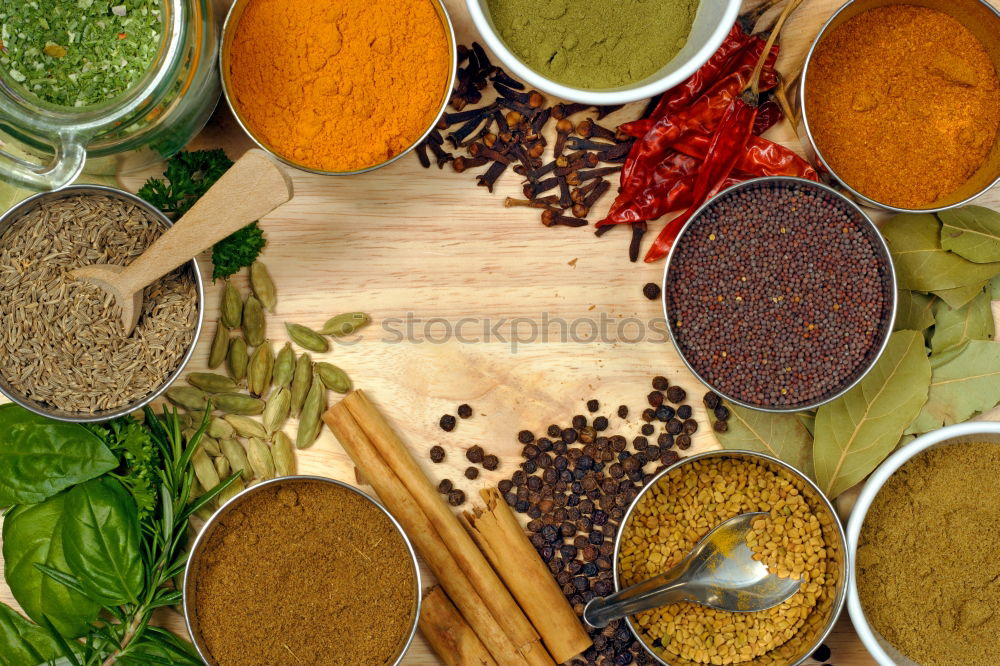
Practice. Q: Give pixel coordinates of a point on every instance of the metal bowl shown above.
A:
(33, 202)
(229, 28)
(983, 20)
(194, 560)
(820, 622)
(879, 242)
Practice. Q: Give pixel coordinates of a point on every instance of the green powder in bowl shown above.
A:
(595, 44)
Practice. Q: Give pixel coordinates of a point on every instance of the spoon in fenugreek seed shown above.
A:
(252, 188)
(719, 572)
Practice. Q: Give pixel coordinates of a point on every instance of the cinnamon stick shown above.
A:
(498, 534)
(425, 538)
(458, 542)
(449, 634)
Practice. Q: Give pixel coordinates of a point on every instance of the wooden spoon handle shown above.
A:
(251, 189)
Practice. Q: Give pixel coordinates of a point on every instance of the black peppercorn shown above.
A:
(471, 473)
(437, 454)
(665, 440)
(721, 412)
(553, 430)
(456, 498)
(640, 443)
(544, 444)
(491, 462)
(683, 442)
(529, 466)
(475, 454)
(684, 412)
(675, 427)
(664, 413)
(447, 423)
(622, 411)
(521, 507)
(464, 410)
(712, 400)
(505, 486)
(690, 427)
(651, 290)
(519, 478)
(720, 426)
(568, 435)
(534, 483)
(676, 394)
(525, 437)
(588, 434)
(593, 405)
(445, 486)
(655, 399)
(601, 423)
(647, 429)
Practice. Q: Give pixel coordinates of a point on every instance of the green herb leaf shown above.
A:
(994, 288)
(41, 457)
(855, 432)
(964, 382)
(160, 647)
(914, 311)
(33, 534)
(972, 232)
(101, 538)
(133, 444)
(780, 435)
(921, 263)
(954, 327)
(24, 643)
(236, 252)
(961, 296)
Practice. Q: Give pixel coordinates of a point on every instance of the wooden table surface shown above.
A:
(429, 247)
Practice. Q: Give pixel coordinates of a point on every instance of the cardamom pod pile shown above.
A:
(258, 382)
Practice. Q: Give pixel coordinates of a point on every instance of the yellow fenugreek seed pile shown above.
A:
(683, 507)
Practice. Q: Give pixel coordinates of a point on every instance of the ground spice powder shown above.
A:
(338, 86)
(305, 572)
(904, 104)
(927, 566)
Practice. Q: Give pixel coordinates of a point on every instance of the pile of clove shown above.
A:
(507, 134)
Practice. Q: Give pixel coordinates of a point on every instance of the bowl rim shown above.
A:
(859, 512)
(596, 97)
(12, 215)
(240, 496)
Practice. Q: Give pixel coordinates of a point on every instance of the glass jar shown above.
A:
(45, 147)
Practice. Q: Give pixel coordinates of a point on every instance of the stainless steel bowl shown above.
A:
(33, 202)
(820, 622)
(983, 20)
(891, 294)
(194, 560)
(229, 28)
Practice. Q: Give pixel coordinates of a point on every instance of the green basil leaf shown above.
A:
(160, 648)
(855, 432)
(961, 296)
(780, 435)
(40, 457)
(914, 311)
(921, 263)
(101, 537)
(964, 382)
(24, 643)
(955, 327)
(972, 232)
(33, 534)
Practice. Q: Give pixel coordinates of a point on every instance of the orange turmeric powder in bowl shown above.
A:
(337, 86)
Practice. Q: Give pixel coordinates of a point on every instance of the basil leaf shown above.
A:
(855, 432)
(40, 457)
(24, 643)
(914, 311)
(921, 263)
(955, 327)
(783, 436)
(961, 296)
(972, 232)
(33, 534)
(160, 648)
(964, 382)
(101, 537)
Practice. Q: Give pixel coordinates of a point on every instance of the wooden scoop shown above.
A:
(251, 189)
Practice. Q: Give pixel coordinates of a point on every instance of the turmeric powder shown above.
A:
(338, 85)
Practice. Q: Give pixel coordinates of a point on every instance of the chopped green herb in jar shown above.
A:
(76, 53)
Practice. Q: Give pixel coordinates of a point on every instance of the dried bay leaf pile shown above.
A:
(941, 365)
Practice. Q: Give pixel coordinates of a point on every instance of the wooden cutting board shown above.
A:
(424, 251)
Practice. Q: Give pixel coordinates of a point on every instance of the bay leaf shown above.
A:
(914, 311)
(994, 288)
(855, 432)
(954, 327)
(972, 232)
(921, 264)
(961, 296)
(964, 382)
(780, 435)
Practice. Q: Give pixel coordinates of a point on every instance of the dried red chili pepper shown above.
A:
(762, 157)
(768, 115)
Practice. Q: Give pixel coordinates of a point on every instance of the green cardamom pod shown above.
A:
(307, 338)
(345, 324)
(276, 411)
(237, 359)
(222, 467)
(230, 491)
(283, 453)
(220, 429)
(301, 381)
(284, 366)
(232, 306)
(220, 345)
(210, 445)
(254, 323)
(237, 458)
(310, 422)
(237, 403)
(260, 369)
(209, 382)
(204, 469)
(260, 459)
(187, 397)
(263, 285)
(245, 426)
(333, 377)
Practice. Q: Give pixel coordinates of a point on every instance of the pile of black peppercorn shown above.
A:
(475, 454)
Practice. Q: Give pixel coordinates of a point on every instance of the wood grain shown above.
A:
(403, 242)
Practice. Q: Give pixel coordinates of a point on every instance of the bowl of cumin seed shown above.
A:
(65, 355)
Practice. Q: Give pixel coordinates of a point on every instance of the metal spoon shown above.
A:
(719, 572)
(250, 189)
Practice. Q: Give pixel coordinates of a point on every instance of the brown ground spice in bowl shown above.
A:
(303, 572)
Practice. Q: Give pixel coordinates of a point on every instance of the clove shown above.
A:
(607, 110)
(439, 152)
(422, 155)
(596, 192)
(563, 129)
(551, 218)
(510, 202)
(479, 150)
(489, 179)
(565, 201)
(560, 111)
(500, 76)
(588, 144)
(638, 231)
(588, 128)
(533, 189)
(462, 163)
(619, 151)
(598, 173)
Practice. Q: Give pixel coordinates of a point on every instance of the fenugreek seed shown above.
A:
(307, 338)
(276, 411)
(259, 370)
(333, 377)
(220, 345)
(259, 457)
(222, 467)
(211, 382)
(254, 323)
(301, 381)
(230, 491)
(210, 445)
(345, 324)
(204, 470)
(263, 286)
(309, 421)
(187, 397)
(245, 426)
(231, 307)
(237, 403)
(284, 366)
(283, 453)
(237, 458)
(237, 359)
(220, 429)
